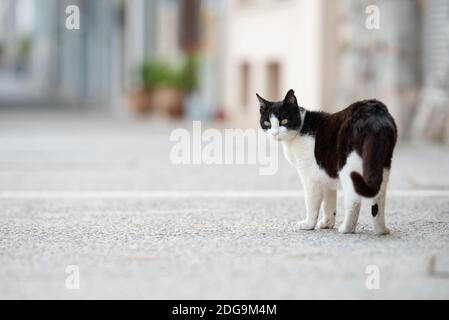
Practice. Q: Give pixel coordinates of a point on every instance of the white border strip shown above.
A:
(244, 194)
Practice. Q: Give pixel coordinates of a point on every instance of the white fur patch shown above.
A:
(300, 152)
(353, 163)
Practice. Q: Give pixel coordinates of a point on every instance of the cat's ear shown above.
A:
(262, 102)
(290, 98)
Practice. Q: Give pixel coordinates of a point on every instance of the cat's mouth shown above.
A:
(283, 137)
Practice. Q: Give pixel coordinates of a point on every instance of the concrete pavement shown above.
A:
(173, 247)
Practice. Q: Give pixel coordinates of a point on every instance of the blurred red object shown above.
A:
(220, 115)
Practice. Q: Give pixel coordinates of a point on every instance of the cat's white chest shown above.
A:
(300, 152)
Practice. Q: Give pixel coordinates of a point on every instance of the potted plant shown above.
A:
(163, 87)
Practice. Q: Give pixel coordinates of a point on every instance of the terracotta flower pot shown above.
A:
(140, 101)
(168, 100)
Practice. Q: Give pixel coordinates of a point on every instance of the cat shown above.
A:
(351, 149)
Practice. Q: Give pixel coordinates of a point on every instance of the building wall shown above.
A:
(269, 40)
(3, 30)
(140, 36)
(95, 66)
(79, 66)
(8, 31)
(432, 118)
(209, 98)
(380, 63)
(405, 63)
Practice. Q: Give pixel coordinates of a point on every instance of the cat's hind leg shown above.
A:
(352, 200)
(378, 208)
(329, 209)
(314, 197)
(352, 210)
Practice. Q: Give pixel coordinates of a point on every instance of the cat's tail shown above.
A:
(373, 155)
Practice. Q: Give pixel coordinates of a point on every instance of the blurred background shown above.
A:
(206, 59)
(85, 121)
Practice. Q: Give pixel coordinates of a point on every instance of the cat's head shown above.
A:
(281, 120)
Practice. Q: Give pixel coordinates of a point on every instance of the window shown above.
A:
(244, 84)
(273, 80)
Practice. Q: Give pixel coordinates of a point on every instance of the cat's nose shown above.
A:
(275, 133)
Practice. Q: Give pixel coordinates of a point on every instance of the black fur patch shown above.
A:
(375, 210)
(365, 127)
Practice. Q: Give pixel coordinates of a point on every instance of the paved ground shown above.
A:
(141, 235)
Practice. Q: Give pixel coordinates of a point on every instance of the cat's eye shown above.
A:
(284, 122)
(267, 123)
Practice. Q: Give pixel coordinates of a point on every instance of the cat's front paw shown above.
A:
(306, 225)
(326, 223)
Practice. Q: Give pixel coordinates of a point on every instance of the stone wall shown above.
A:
(432, 120)
(380, 61)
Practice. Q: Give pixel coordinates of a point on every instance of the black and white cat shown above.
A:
(351, 149)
